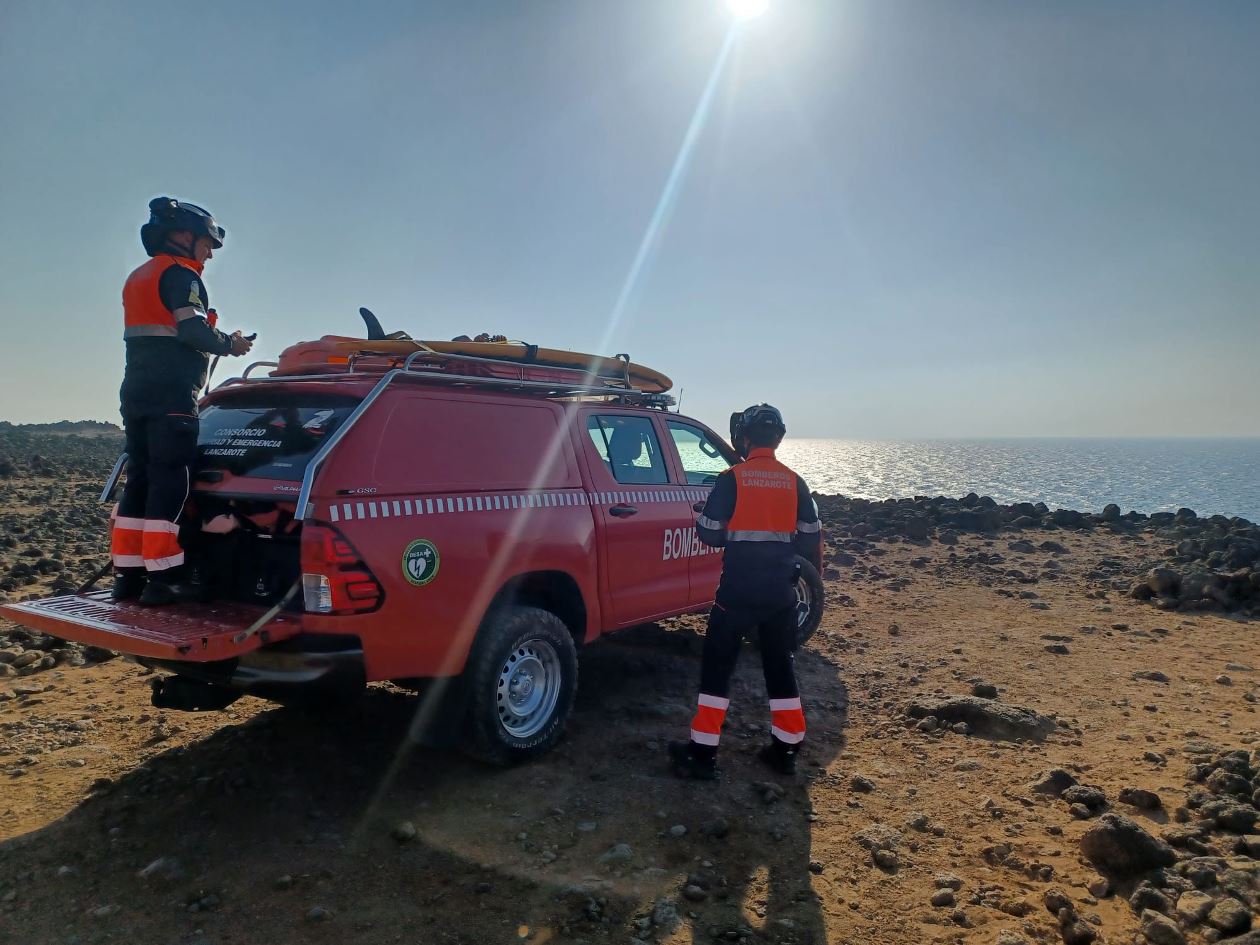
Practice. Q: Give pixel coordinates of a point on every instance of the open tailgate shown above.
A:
(194, 632)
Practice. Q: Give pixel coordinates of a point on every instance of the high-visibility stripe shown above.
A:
(718, 702)
(129, 524)
(706, 726)
(159, 526)
(808, 528)
(164, 564)
(787, 720)
(753, 535)
(712, 524)
(128, 561)
(792, 738)
(150, 331)
(126, 541)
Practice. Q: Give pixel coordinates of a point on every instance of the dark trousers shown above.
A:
(161, 451)
(776, 631)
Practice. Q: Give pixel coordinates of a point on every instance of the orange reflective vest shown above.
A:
(144, 315)
(766, 507)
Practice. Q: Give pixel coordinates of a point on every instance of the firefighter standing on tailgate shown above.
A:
(761, 512)
(169, 331)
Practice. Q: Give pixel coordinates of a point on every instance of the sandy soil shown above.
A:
(122, 823)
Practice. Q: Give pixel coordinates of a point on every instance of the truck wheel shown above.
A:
(809, 601)
(522, 677)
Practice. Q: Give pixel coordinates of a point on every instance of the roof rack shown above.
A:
(620, 392)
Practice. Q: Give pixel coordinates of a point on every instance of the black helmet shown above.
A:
(760, 417)
(168, 215)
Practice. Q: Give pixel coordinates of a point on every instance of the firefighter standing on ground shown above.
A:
(169, 331)
(762, 513)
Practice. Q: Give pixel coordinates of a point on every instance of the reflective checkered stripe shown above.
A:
(347, 510)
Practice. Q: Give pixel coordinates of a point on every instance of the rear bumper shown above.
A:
(308, 664)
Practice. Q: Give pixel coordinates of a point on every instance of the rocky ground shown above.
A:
(1006, 745)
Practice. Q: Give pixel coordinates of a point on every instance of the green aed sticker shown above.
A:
(420, 562)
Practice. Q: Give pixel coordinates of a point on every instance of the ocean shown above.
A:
(1150, 475)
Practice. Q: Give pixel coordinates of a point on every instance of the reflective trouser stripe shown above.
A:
(161, 548)
(808, 528)
(787, 720)
(706, 727)
(164, 564)
(126, 542)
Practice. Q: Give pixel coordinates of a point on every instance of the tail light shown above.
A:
(334, 578)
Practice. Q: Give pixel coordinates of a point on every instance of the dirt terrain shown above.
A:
(262, 824)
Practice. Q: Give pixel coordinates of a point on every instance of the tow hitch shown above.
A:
(191, 695)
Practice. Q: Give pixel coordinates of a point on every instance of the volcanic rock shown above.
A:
(1117, 845)
(986, 717)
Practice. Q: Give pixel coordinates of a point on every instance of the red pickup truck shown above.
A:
(433, 519)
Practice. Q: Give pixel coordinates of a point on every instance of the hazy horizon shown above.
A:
(894, 221)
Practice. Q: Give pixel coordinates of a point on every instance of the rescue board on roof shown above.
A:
(336, 351)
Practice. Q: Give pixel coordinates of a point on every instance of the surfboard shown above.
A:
(336, 348)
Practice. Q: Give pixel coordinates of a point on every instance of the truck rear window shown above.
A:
(274, 440)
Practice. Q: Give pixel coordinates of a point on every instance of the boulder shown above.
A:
(1068, 518)
(1230, 916)
(1053, 782)
(1092, 797)
(1163, 581)
(1161, 930)
(1140, 798)
(986, 717)
(915, 527)
(1119, 847)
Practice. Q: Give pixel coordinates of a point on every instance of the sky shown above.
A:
(890, 218)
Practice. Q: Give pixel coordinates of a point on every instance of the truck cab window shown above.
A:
(629, 448)
(703, 460)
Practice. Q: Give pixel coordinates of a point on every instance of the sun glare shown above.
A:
(747, 9)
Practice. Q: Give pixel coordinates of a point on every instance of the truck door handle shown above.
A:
(623, 511)
(697, 507)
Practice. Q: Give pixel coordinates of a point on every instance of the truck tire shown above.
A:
(809, 601)
(521, 680)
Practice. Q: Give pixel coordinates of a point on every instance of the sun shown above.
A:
(747, 9)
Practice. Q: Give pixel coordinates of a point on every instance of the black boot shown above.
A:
(779, 756)
(127, 585)
(688, 764)
(162, 591)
